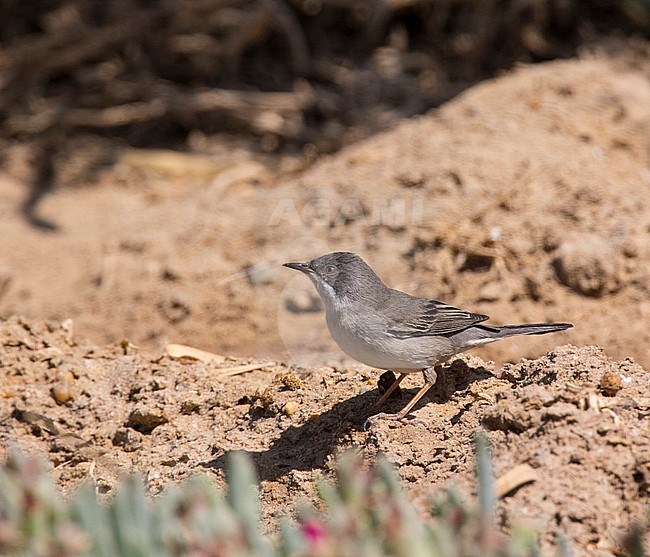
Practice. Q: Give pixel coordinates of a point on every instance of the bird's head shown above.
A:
(339, 276)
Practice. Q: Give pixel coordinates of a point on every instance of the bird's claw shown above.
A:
(399, 417)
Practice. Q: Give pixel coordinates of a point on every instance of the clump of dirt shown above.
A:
(131, 412)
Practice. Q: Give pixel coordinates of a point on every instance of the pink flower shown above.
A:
(315, 532)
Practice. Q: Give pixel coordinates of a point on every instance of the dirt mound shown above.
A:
(524, 199)
(126, 411)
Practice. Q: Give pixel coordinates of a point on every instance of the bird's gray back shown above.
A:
(362, 332)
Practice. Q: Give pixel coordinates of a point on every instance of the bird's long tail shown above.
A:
(482, 334)
(526, 329)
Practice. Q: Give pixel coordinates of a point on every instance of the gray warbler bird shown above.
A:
(388, 329)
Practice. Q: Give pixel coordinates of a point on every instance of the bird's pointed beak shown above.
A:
(304, 267)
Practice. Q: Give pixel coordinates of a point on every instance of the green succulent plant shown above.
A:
(365, 513)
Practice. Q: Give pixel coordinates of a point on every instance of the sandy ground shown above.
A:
(125, 411)
(527, 198)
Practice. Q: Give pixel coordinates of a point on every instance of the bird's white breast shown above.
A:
(361, 335)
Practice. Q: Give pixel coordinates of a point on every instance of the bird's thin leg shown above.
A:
(430, 377)
(389, 391)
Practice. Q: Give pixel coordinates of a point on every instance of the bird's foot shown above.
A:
(399, 417)
(387, 416)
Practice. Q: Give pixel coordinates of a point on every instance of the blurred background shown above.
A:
(161, 159)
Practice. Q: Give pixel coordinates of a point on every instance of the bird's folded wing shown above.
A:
(431, 318)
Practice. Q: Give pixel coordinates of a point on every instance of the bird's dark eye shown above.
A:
(330, 270)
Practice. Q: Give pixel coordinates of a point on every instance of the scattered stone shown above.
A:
(64, 390)
(290, 381)
(145, 420)
(610, 383)
(290, 408)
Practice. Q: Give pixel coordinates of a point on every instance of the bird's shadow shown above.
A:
(307, 446)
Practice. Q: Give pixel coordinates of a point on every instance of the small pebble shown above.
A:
(290, 408)
(290, 381)
(610, 383)
(64, 388)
